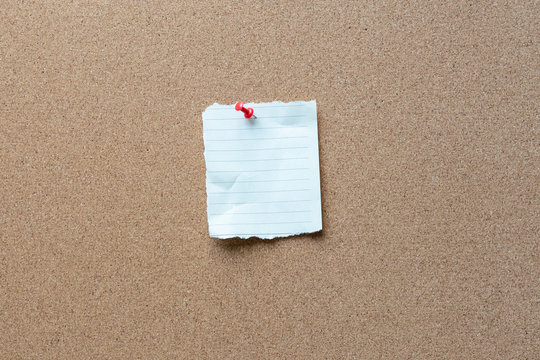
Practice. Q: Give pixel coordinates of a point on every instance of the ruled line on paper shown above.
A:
(258, 202)
(261, 149)
(255, 181)
(263, 170)
(246, 160)
(265, 138)
(251, 129)
(231, 107)
(258, 117)
(256, 192)
(265, 223)
(263, 212)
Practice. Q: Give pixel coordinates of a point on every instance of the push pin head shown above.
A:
(248, 112)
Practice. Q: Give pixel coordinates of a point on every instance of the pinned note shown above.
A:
(262, 173)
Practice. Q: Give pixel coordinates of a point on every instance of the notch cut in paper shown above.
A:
(262, 174)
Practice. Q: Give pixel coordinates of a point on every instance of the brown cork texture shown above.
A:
(429, 155)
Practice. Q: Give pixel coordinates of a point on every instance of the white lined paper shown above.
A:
(262, 174)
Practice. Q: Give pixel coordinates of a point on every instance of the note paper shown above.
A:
(262, 174)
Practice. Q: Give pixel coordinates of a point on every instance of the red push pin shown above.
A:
(248, 112)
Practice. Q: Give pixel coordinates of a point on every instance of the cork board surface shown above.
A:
(429, 156)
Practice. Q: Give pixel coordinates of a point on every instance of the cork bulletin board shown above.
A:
(428, 122)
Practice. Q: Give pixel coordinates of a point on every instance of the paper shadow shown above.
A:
(238, 243)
